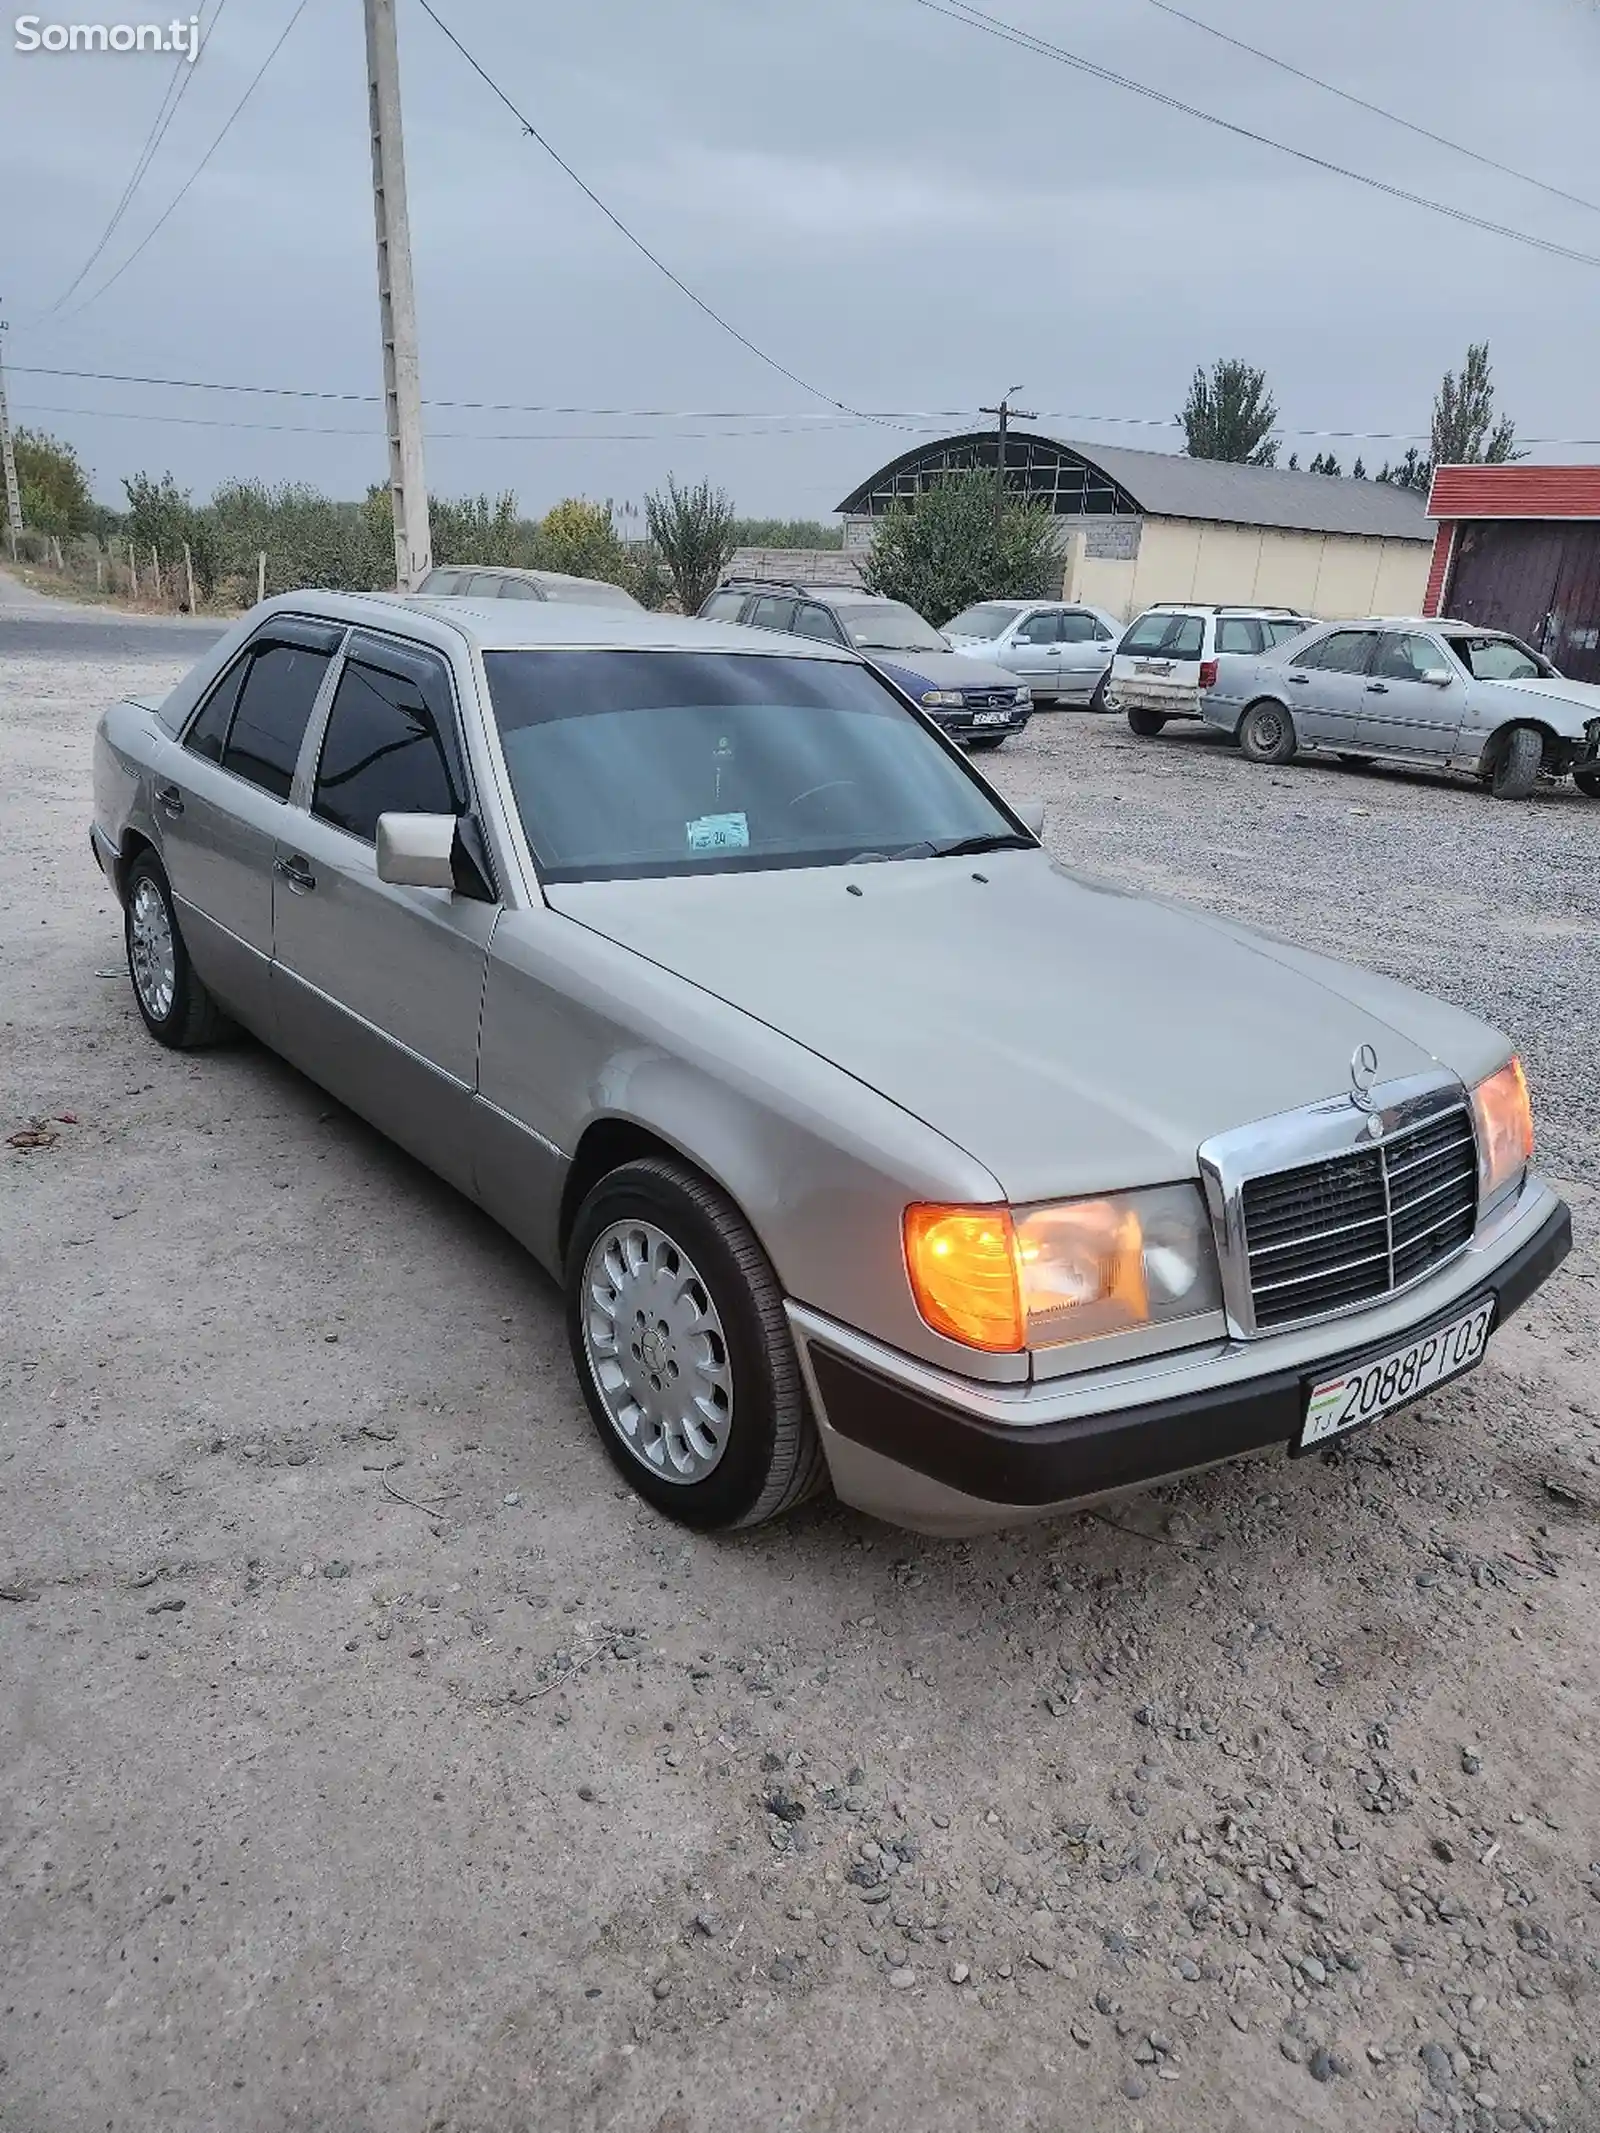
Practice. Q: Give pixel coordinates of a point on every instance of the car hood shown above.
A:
(1553, 698)
(1068, 1035)
(915, 671)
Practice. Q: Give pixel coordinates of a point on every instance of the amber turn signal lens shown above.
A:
(963, 1267)
(1505, 1129)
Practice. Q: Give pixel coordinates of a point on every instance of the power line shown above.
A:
(1346, 96)
(638, 243)
(182, 74)
(303, 429)
(973, 18)
(227, 128)
(667, 414)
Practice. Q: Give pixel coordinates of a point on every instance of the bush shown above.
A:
(54, 485)
(943, 550)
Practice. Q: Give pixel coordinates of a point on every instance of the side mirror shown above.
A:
(1436, 677)
(417, 851)
(1030, 813)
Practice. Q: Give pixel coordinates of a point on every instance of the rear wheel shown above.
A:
(1266, 733)
(1147, 724)
(1588, 781)
(1097, 702)
(1515, 771)
(176, 1007)
(683, 1350)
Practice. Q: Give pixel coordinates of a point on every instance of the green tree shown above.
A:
(941, 551)
(693, 531)
(578, 537)
(1465, 429)
(54, 485)
(161, 517)
(1411, 472)
(1230, 415)
(1325, 463)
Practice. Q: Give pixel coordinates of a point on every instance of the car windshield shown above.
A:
(890, 627)
(1498, 659)
(988, 620)
(586, 592)
(626, 764)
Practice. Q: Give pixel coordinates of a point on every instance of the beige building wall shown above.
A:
(1328, 574)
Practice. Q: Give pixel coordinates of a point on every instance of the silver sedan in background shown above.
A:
(1439, 694)
(1060, 648)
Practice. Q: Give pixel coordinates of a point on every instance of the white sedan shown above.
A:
(1060, 648)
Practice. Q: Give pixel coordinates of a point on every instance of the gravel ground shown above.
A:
(369, 1759)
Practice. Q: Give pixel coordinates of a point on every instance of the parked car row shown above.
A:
(1393, 689)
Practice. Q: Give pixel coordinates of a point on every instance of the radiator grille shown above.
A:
(1343, 1231)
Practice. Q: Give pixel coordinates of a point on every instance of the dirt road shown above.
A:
(371, 1762)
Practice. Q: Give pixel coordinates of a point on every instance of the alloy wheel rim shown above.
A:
(657, 1351)
(152, 957)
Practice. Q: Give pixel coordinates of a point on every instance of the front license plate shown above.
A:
(991, 718)
(1390, 1381)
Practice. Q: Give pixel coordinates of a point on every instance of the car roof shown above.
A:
(529, 625)
(1193, 607)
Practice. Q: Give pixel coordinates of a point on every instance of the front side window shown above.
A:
(442, 582)
(519, 589)
(1039, 629)
(273, 711)
(629, 764)
(386, 749)
(1162, 636)
(890, 626)
(1499, 659)
(722, 607)
(816, 622)
(1406, 658)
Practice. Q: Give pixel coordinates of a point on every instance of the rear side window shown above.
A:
(1082, 629)
(722, 607)
(390, 746)
(519, 589)
(1237, 633)
(442, 581)
(209, 733)
(270, 720)
(817, 622)
(1166, 636)
(1345, 652)
(772, 614)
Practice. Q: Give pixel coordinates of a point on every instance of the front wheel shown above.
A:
(1147, 724)
(683, 1350)
(1588, 781)
(989, 740)
(1097, 702)
(177, 1009)
(1266, 734)
(1516, 764)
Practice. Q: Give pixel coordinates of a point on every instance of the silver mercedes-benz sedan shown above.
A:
(847, 1119)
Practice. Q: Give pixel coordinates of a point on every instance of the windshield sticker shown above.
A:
(718, 833)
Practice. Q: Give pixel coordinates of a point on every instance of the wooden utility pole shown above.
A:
(1004, 411)
(13, 490)
(402, 390)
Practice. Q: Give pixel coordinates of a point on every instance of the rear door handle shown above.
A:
(1301, 681)
(296, 871)
(170, 800)
(1377, 688)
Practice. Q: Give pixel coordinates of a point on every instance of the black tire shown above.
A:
(1266, 733)
(191, 1019)
(771, 1458)
(1097, 702)
(990, 740)
(1356, 762)
(1147, 724)
(1588, 781)
(1515, 770)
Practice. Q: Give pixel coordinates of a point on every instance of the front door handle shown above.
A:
(1377, 688)
(296, 871)
(170, 800)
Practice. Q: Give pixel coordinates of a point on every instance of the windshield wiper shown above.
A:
(992, 841)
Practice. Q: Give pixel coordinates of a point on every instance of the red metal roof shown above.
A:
(1515, 492)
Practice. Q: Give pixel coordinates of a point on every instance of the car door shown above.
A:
(815, 620)
(1414, 700)
(221, 795)
(1325, 687)
(377, 988)
(1032, 651)
(1086, 648)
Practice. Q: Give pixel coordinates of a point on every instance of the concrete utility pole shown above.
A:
(402, 389)
(1005, 411)
(13, 491)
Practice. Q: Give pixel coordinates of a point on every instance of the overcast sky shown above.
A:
(909, 214)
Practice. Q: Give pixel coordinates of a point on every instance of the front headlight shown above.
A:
(944, 699)
(1504, 1119)
(1024, 696)
(1073, 1271)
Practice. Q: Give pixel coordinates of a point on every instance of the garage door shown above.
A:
(1540, 582)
